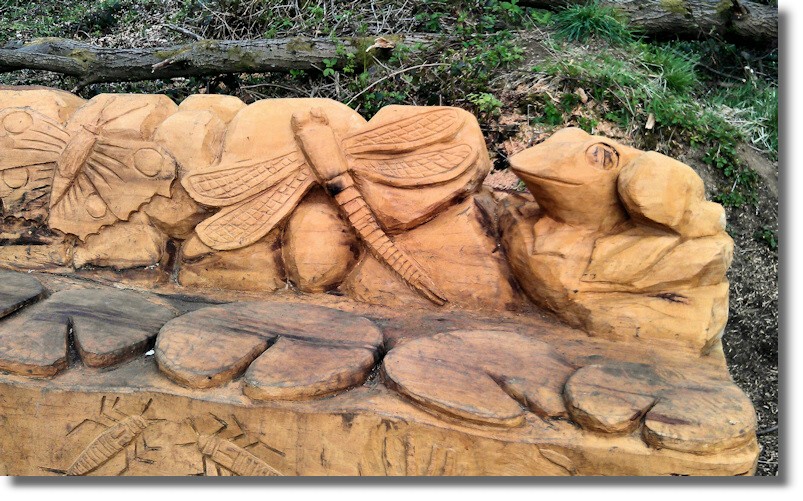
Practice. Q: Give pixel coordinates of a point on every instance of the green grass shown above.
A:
(580, 23)
(634, 81)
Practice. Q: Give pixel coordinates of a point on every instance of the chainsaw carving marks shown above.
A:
(411, 456)
(413, 152)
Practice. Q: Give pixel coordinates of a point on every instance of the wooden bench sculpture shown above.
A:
(286, 289)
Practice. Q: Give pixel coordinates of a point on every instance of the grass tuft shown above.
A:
(579, 23)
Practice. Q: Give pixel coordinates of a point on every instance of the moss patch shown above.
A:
(675, 6)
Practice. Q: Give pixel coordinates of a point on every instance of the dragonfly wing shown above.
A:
(417, 131)
(416, 169)
(246, 222)
(227, 184)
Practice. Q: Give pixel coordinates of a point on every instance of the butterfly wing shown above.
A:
(228, 184)
(30, 144)
(407, 134)
(416, 169)
(102, 179)
(246, 222)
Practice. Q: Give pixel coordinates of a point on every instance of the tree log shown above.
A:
(93, 64)
(689, 18)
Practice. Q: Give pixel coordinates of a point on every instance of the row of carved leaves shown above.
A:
(290, 351)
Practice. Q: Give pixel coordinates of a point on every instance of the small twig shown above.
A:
(395, 73)
(278, 86)
(185, 31)
(717, 72)
(767, 431)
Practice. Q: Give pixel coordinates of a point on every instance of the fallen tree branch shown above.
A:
(689, 18)
(92, 64)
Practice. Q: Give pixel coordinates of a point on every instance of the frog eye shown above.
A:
(602, 156)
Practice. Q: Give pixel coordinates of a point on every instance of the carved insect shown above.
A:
(103, 173)
(221, 455)
(30, 145)
(118, 436)
(256, 196)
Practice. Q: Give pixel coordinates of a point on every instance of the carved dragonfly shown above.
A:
(413, 152)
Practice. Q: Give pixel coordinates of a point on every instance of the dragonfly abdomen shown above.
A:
(364, 222)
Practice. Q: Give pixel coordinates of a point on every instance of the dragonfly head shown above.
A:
(315, 116)
(207, 444)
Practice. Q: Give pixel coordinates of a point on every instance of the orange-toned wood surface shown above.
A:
(402, 393)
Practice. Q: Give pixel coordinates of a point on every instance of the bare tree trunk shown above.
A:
(92, 64)
(690, 18)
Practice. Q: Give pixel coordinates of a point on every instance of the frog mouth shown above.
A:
(555, 180)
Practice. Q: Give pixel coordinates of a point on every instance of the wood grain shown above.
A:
(680, 410)
(488, 377)
(538, 398)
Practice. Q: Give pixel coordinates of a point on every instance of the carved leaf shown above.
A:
(406, 134)
(480, 376)
(109, 326)
(294, 351)
(244, 223)
(416, 169)
(682, 411)
(227, 184)
(18, 290)
(102, 179)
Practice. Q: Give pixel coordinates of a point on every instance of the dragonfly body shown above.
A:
(325, 156)
(77, 151)
(108, 444)
(234, 458)
(321, 147)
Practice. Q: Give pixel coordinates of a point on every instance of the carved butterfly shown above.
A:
(102, 174)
